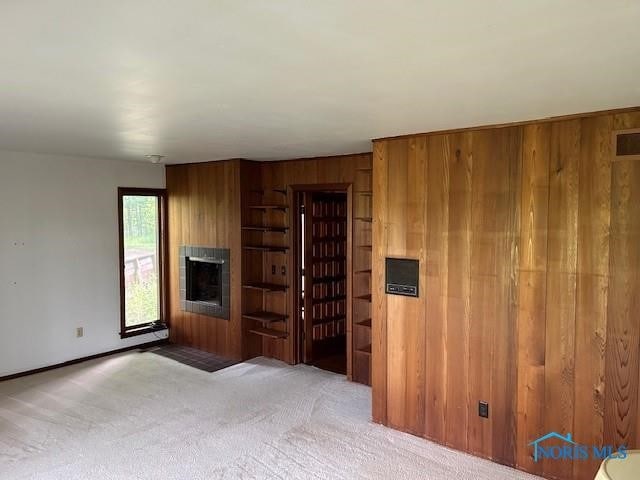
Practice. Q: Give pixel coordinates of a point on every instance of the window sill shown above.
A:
(143, 330)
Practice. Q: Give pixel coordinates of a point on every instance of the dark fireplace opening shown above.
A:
(204, 280)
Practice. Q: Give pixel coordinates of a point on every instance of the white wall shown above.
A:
(59, 256)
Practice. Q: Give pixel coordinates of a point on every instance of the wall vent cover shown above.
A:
(627, 144)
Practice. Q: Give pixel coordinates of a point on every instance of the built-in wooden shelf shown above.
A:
(364, 169)
(364, 350)
(329, 299)
(364, 219)
(365, 247)
(364, 323)
(265, 317)
(364, 297)
(362, 271)
(329, 279)
(265, 228)
(364, 193)
(269, 332)
(329, 320)
(269, 207)
(328, 259)
(266, 287)
(266, 248)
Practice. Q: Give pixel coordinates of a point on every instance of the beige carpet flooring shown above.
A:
(142, 416)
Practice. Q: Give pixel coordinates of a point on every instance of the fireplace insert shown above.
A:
(204, 280)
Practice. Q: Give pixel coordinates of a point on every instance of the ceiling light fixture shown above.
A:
(155, 158)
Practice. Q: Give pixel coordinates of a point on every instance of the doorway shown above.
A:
(322, 254)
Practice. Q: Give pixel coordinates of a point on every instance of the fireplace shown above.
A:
(204, 281)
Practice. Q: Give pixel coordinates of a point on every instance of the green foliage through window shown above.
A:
(140, 224)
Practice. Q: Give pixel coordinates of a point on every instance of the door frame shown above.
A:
(296, 324)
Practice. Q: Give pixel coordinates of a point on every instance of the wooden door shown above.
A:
(325, 250)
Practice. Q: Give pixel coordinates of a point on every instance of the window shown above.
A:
(142, 246)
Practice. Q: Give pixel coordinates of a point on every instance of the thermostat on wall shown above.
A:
(401, 276)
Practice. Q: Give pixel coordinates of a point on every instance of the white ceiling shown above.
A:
(203, 80)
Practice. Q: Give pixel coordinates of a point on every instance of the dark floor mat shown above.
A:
(193, 357)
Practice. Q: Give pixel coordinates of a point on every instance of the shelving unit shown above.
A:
(325, 283)
(362, 251)
(366, 297)
(266, 243)
(328, 299)
(364, 323)
(269, 255)
(269, 332)
(265, 317)
(339, 318)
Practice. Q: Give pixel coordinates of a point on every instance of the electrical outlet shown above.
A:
(483, 409)
(283, 270)
(79, 332)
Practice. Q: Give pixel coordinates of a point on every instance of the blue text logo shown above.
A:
(571, 450)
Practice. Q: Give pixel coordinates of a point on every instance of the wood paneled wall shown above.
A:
(204, 210)
(206, 204)
(529, 245)
(344, 169)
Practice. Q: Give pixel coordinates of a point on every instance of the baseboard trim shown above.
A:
(84, 359)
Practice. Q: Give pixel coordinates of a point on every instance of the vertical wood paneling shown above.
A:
(435, 288)
(622, 370)
(234, 332)
(561, 284)
(621, 405)
(494, 266)
(458, 289)
(199, 197)
(594, 206)
(532, 291)
(206, 204)
(532, 288)
(483, 313)
(503, 385)
(397, 247)
(406, 237)
(379, 305)
(174, 184)
(414, 340)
